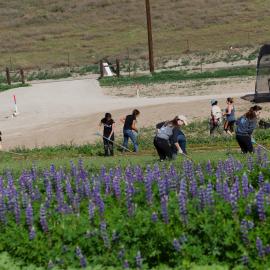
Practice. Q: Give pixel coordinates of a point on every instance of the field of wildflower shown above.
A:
(139, 217)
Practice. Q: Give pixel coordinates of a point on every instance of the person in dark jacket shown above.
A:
(108, 133)
(245, 125)
(130, 130)
(167, 138)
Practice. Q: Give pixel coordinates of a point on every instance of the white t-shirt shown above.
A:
(216, 112)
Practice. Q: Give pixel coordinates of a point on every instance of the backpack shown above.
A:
(165, 132)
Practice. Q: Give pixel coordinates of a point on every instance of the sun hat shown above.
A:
(182, 118)
(213, 101)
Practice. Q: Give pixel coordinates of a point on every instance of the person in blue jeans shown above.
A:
(130, 131)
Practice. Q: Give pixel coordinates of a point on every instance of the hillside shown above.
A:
(57, 33)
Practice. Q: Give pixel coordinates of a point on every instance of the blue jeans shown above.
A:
(182, 142)
(128, 133)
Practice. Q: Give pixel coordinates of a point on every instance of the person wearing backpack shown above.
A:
(166, 139)
(245, 125)
(108, 133)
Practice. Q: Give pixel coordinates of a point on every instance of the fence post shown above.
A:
(101, 69)
(117, 68)
(22, 76)
(8, 76)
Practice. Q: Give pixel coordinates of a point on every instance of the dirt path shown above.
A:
(69, 111)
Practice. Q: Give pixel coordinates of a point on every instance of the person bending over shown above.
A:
(108, 133)
(166, 139)
(130, 131)
(245, 125)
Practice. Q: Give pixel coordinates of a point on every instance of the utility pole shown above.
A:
(150, 40)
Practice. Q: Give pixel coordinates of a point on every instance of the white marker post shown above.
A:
(15, 113)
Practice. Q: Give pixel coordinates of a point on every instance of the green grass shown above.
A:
(38, 34)
(174, 76)
(4, 87)
(200, 146)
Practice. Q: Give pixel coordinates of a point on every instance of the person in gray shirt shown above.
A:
(245, 126)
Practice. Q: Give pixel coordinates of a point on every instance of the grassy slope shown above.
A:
(40, 33)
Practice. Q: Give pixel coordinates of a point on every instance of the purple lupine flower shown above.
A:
(259, 155)
(83, 262)
(245, 260)
(87, 188)
(116, 187)
(129, 196)
(126, 264)
(115, 236)
(91, 211)
(219, 188)
(264, 160)
(244, 231)
(176, 244)
(107, 180)
(219, 170)
(248, 210)
(104, 234)
(260, 179)
(17, 211)
(266, 188)
(260, 205)
(148, 187)
(209, 167)
(245, 187)
(267, 250)
(43, 218)
(139, 260)
(121, 254)
(81, 257)
(75, 204)
(182, 200)
(32, 233)
(259, 246)
(201, 196)
(193, 188)
(209, 195)
(164, 209)
(154, 217)
(226, 191)
(69, 190)
(200, 174)
(234, 196)
(139, 173)
(100, 204)
(29, 215)
(2, 209)
(250, 163)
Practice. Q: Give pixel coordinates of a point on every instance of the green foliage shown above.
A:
(173, 76)
(4, 87)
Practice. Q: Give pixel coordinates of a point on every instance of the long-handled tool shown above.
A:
(263, 147)
(123, 147)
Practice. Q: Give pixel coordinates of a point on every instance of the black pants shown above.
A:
(245, 143)
(108, 146)
(163, 148)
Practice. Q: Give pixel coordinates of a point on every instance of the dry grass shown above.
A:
(43, 33)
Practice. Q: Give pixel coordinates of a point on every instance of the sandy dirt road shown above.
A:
(68, 111)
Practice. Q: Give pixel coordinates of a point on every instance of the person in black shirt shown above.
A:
(108, 133)
(166, 140)
(130, 130)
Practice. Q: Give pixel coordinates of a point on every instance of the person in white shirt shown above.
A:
(216, 116)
